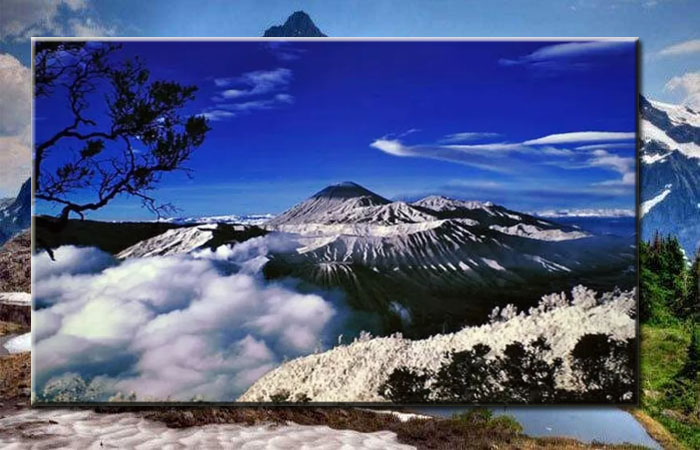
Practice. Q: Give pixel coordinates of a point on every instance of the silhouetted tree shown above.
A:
(605, 367)
(468, 377)
(528, 376)
(123, 130)
(405, 385)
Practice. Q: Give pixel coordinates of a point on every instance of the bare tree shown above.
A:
(122, 133)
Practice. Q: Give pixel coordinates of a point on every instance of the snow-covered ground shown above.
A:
(19, 344)
(354, 372)
(37, 428)
(16, 298)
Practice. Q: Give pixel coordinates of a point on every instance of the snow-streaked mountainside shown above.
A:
(354, 372)
(670, 172)
(15, 214)
(188, 239)
(438, 250)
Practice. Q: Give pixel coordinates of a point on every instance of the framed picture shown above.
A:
(335, 221)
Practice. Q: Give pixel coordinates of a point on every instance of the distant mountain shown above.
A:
(670, 172)
(245, 219)
(15, 215)
(299, 24)
(588, 212)
(458, 257)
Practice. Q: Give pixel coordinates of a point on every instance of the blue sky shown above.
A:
(667, 28)
(530, 125)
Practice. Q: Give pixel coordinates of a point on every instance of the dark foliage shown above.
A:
(468, 377)
(405, 386)
(521, 375)
(529, 378)
(668, 289)
(605, 367)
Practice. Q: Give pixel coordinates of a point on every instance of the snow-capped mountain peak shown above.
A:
(670, 172)
(441, 203)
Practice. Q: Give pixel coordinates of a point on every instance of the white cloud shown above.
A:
(22, 19)
(689, 86)
(14, 96)
(176, 326)
(269, 85)
(581, 136)
(255, 83)
(624, 165)
(467, 136)
(606, 146)
(15, 119)
(480, 156)
(15, 161)
(682, 48)
(90, 27)
(217, 114)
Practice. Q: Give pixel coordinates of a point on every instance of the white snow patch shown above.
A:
(650, 131)
(649, 204)
(493, 264)
(88, 429)
(19, 344)
(16, 298)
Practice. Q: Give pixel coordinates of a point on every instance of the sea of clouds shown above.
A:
(204, 325)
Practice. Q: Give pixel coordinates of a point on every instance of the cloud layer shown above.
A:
(688, 85)
(175, 327)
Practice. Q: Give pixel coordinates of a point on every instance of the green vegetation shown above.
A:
(669, 288)
(670, 314)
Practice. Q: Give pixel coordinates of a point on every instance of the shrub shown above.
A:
(405, 385)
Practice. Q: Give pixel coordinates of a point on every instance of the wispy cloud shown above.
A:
(581, 136)
(252, 91)
(258, 82)
(606, 146)
(523, 158)
(479, 156)
(689, 86)
(681, 48)
(567, 56)
(623, 165)
(284, 51)
(467, 136)
(218, 114)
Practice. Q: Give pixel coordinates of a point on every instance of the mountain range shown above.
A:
(670, 172)
(437, 263)
(445, 262)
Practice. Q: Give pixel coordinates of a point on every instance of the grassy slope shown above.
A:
(663, 355)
